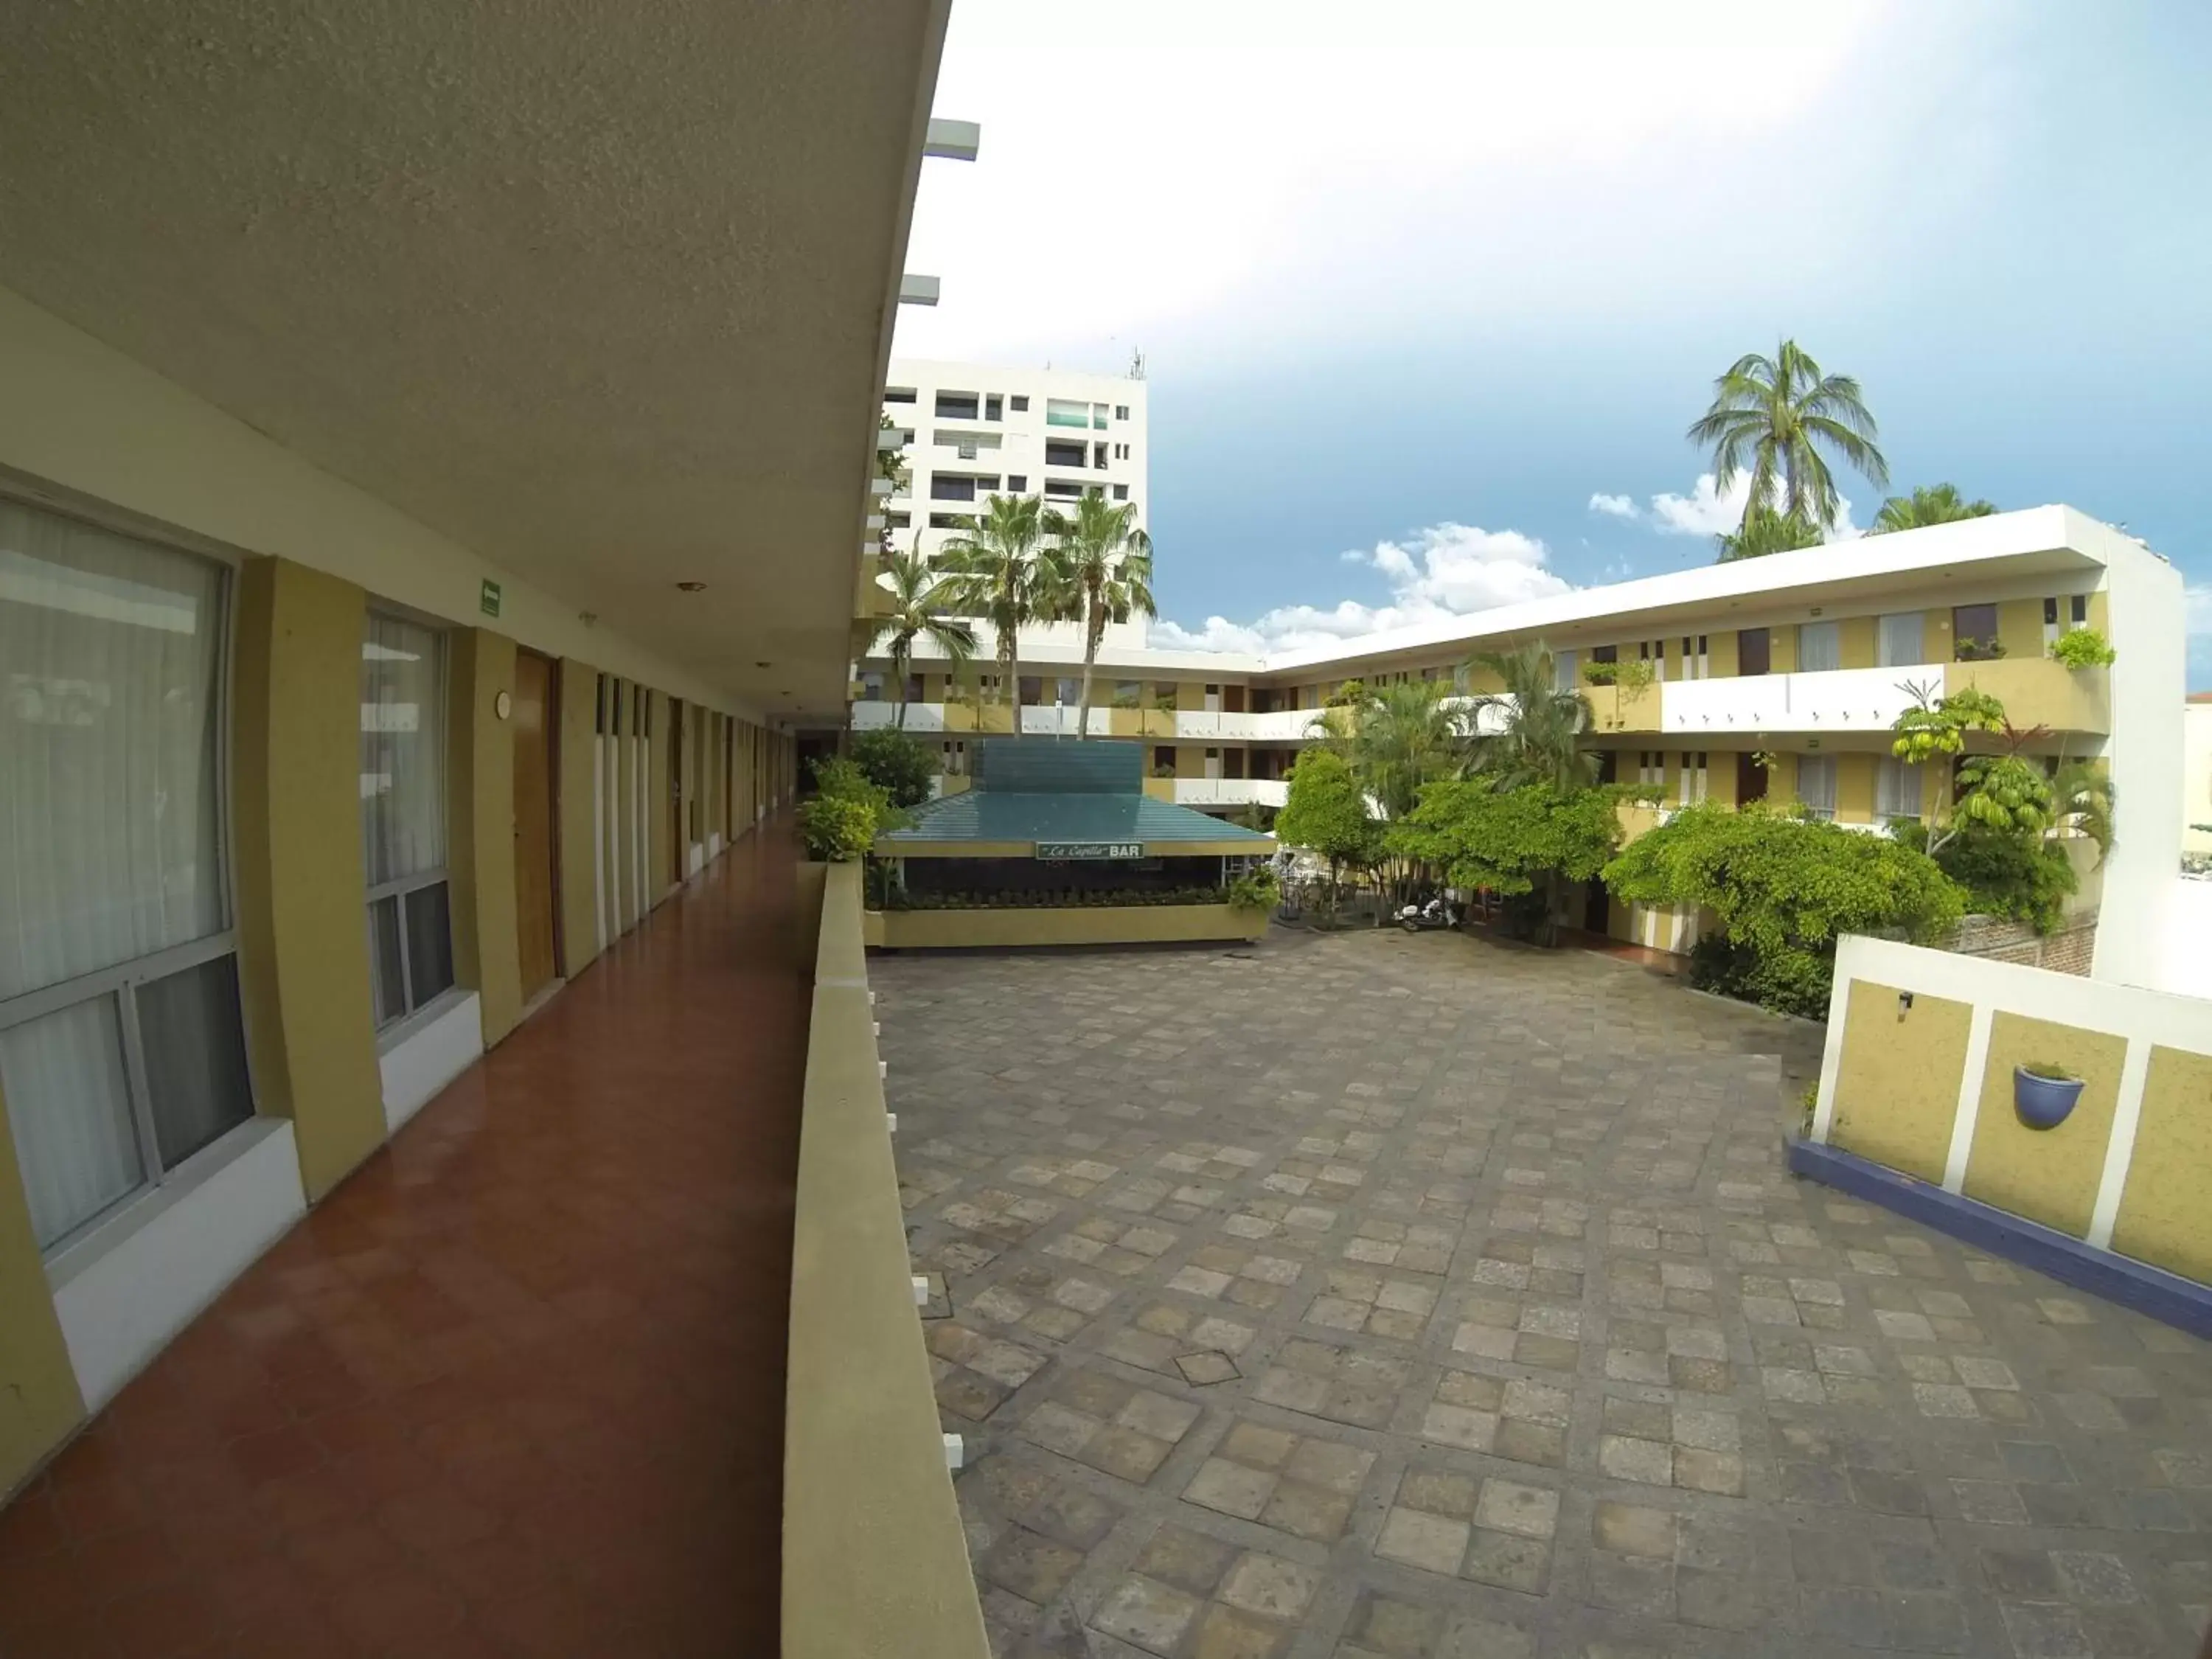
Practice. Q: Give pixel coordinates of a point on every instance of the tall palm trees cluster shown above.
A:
(1018, 564)
(1776, 420)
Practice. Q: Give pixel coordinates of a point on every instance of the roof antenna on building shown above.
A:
(1137, 364)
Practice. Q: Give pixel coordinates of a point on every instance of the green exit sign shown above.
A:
(488, 597)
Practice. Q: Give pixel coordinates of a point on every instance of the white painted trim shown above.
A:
(694, 859)
(1832, 1059)
(2127, 1011)
(1967, 1114)
(600, 842)
(414, 1069)
(2120, 1148)
(127, 1288)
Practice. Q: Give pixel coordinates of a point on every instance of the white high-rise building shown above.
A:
(972, 432)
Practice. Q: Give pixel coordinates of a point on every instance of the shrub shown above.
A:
(1600, 673)
(837, 828)
(1255, 889)
(1783, 888)
(2083, 647)
(2019, 877)
(900, 765)
(1534, 839)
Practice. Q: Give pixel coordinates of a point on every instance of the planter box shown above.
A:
(1125, 924)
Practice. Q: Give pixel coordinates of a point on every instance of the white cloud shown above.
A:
(1445, 570)
(1618, 506)
(1708, 511)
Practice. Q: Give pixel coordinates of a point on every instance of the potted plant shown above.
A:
(2044, 1094)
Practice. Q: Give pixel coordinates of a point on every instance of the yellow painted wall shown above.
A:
(2020, 627)
(2165, 1211)
(480, 826)
(1855, 788)
(301, 876)
(1897, 1093)
(2048, 1176)
(2100, 615)
(2038, 690)
(1854, 641)
(578, 898)
(1782, 650)
(1721, 654)
(1134, 924)
(39, 1402)
(657, 875)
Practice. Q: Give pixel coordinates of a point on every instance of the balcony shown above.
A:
(2039, 692)
(1829, 700)
(1624, 708)
(865, 1462)
(2035, 691)
(1228, 792)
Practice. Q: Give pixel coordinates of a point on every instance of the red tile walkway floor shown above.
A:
(516, 1388)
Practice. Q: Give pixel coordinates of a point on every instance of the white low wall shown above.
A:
(429, 1058)
(130, 1288)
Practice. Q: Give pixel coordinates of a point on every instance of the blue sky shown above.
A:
(1415, 283)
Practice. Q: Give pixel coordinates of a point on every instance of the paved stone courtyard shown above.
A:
(1385, 1296)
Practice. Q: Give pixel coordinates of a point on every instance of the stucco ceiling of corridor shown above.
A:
(600, 291)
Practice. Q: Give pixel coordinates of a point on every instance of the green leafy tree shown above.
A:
(917, 613)
(993, 570)
(1772, 416)
(1395, 739)
(1763, 531)
(1534, 837)
(1937, 726)
(1928, 504)
(902, 767)
(1783, 888)
(1325, 812)
(1530, 730)
(891, 463)
(1099, 570)
(847, 813)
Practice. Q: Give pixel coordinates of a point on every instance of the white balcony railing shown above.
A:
(1829, 700)
(1231, 792)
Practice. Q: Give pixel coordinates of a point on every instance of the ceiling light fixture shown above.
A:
(692, 587)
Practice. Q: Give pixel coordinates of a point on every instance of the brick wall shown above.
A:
(2066, 952)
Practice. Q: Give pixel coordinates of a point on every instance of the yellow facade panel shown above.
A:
(1897, 1090)
(2166, 1215)
(2048, 1176)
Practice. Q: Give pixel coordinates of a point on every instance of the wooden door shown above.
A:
(1750, 779)
(1754, 654)
(532, 721)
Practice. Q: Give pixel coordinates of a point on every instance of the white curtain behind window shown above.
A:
(1816, 783)
(403, 750)
(1820, 648)
(1896, 790)
(109, 834)
(1900, 644)
(109, 848)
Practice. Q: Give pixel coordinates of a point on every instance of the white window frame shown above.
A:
(1825, 764)
(1892, 776)
(124, 980)
(417, 1009)
(1884, 657)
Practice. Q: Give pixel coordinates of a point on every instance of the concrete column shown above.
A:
(578, 733)
(480, 826)
(302, 878)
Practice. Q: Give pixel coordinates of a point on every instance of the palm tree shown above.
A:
(915, 614)
(2082, 801)
(1928, 504)
(1395, 739)
(1532, 731)
(1764, 531)
(1772, 417)
(1101, 571)
(992, 570)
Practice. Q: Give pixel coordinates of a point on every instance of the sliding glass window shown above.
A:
(402, 814)
(122, 1050)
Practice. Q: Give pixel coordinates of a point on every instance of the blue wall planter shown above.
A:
(2043, 1103)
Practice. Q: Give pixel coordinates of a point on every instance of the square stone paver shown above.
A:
(1414, 1298)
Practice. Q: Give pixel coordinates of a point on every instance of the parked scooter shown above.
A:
(1420, 918)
